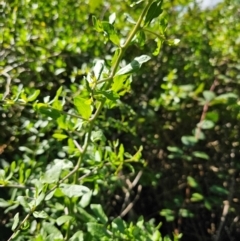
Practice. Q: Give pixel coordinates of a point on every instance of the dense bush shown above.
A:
(119, 122)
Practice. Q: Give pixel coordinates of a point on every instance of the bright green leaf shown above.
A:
(201, 155)
(192, 182)
(59, 136)
(15, 221)
(73, 190)
(41, 214)
(52, 175)
(206, 124)
(209, 95)
(85, 200)
(33, 96)
(97, 230)
(134, 65)
(83, 107)
(99, 213)
(189, 140)
(196, 197)
(63, 219)
(153, 12)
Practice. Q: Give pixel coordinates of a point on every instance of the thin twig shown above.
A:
(78, 146)
(128, 190)
(131, 204)
(204, 111)
(7, 86)
(226, 207)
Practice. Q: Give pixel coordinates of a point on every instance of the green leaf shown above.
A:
(206, 124)
(63, 219)
(168, 214)
(227, 96)
(50, 229)
(159, 45)
(97, 136)
(13, 166)
(192, 182)
(212, 116)
(41, 214)
(97, 230)
(134, 65)
(15, 221)
(85, 216)
(73, 190)
(196, 197)
(83, 106)
(207, 204)
(52, 175)
(33, 96)
(185, 213)
(173, 42)
(219, 190)
(175, 149)
(99, 213)
(120, 83)
(56, 104)
(59, 136)
(119, 225)
(189, 140)
(208, 95)
(98, 68)
(110, 32)
(154, 11)
(112, 18)
(85, 200)
(48, 111)
(78, 236)
(4, 203)
(201, 155)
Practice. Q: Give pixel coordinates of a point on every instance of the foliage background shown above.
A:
(191, 173)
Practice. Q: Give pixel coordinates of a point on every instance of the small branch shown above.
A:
(20, 225)
(11, 102)
(131, 185)
(204, 111)
(226, 207)
(131, 204)
(78, 146)
(7, 86)
(87, 174)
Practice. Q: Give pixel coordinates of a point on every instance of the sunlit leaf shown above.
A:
(196, 197)
(41, 214)
(192, 182)
(33, 96)
(73, 190)
(63, 219)
(134, 65)
(83, 107)
(99, 213)
(153, 12)
(15, 221)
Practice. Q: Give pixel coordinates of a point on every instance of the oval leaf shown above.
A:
(73, 190)
(134, 65)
